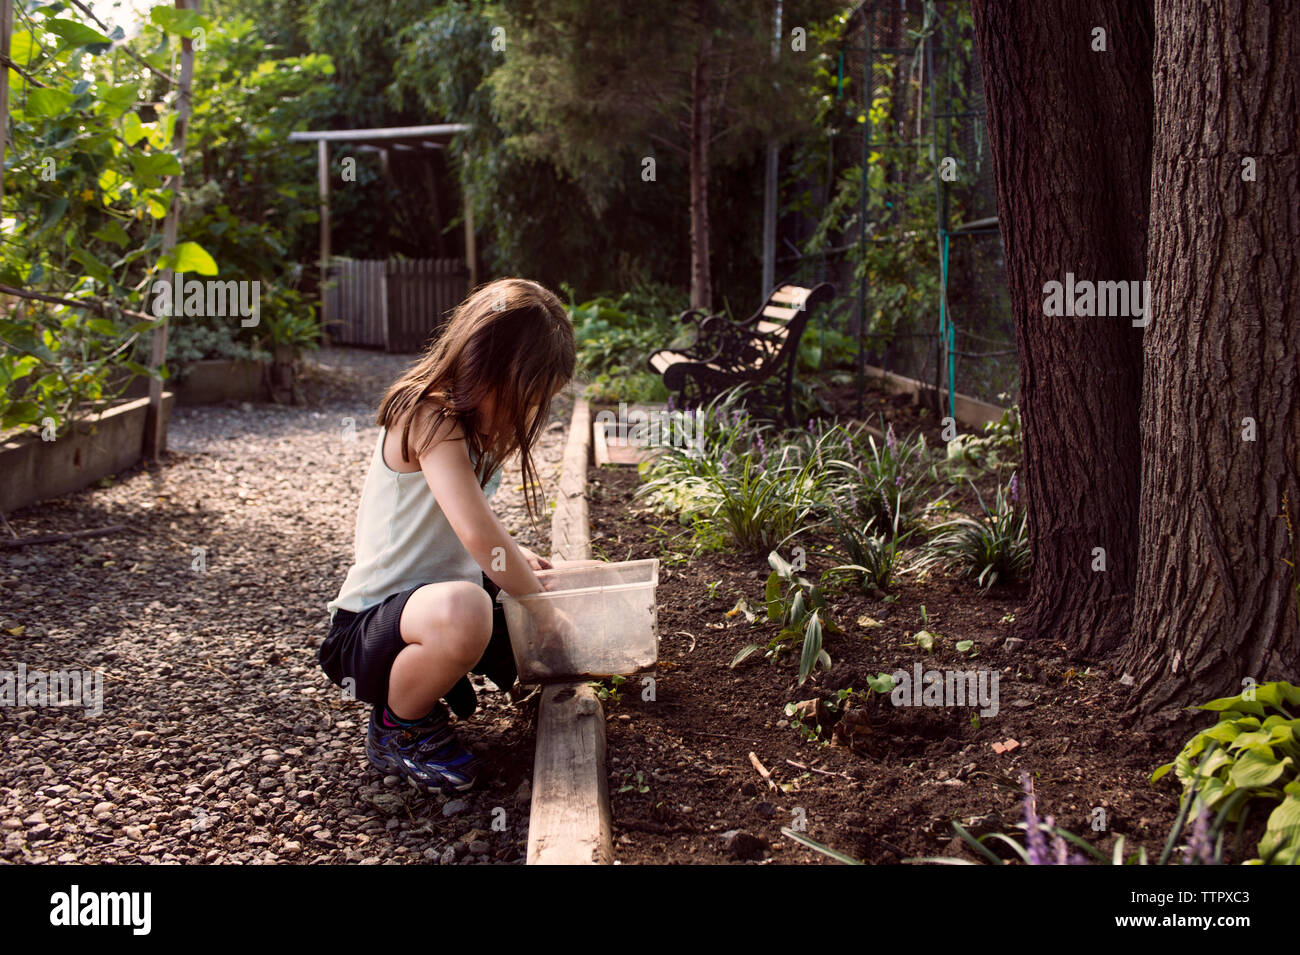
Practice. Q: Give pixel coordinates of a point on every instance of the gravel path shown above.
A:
(220, 739)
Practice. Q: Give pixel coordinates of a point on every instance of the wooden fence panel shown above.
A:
(394, 304)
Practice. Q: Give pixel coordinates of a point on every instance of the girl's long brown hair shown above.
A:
(511, 339)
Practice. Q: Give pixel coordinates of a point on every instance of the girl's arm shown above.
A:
(450, 476)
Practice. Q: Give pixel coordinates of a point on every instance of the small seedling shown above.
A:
(630, 784)
(613, 692)
(712, 589)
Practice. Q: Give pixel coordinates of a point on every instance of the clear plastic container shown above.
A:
(595, 620)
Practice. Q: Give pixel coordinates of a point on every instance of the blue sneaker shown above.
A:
(428, 753)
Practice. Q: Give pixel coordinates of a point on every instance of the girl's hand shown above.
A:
(534, 561)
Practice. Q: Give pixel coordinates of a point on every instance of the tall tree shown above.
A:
(1069, 116)
(599, 88)
(1216, 601)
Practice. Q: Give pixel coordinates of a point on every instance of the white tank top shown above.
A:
(403, 539)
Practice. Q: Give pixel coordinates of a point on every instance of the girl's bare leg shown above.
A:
(446, 627)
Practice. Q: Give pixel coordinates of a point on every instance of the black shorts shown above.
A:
(358, 654)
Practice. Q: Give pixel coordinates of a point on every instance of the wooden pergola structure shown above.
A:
(397, 139)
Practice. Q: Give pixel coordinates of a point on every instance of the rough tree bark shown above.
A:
(1070, 130)
(1216, 601)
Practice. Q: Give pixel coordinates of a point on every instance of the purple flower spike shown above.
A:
(891, 440)
(1013, 487)
(1200, 849)
(1037, 844)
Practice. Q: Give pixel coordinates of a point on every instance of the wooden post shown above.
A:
(6, 28)
(770, 186)
(471, 256)
(155, 435)
(323, 181)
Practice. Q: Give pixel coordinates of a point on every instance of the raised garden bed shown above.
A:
(889, 788)
(32, 469)
(214, 380)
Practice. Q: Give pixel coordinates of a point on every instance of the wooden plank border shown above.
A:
(971, 412)
(569, 820)
(570, 529)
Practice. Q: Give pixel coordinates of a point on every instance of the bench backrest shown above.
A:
(775, 329)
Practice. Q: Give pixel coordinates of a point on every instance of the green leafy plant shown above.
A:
(799, 608)
(1251, 757)
(290, 322)
(810, 733)
(612, 692)
(998, 449)
(994, 548)
(871, 558)
(615, 336)
(757, 499)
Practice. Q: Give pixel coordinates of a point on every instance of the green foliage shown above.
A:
(998, 449)
(86, 187)
(196, 341)
(871, 558)
(1251, 757)
(615, 336)
(799, 608)
(1046, 843)
(881, 482)
(742, 492)
(613, 692)
(87, 182)
(993, 548)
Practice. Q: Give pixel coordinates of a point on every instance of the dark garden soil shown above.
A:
(885, 788)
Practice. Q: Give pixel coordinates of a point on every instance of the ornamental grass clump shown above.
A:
(881, 480)
(871, 557)
(993, 548)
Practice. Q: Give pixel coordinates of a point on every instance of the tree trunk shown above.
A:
(701, 132)
(1069, 129)
(1216, 602)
